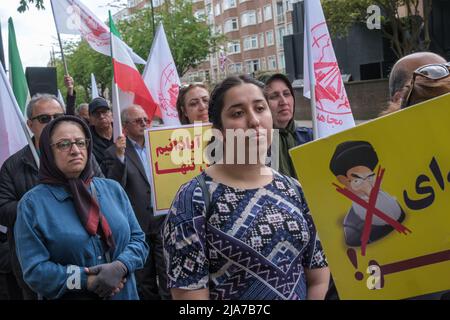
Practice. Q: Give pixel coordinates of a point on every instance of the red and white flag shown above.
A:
(127, 76)
(73, 17)
(333, 112)
(161, 77)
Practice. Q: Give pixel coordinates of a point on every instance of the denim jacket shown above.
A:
(53, 247)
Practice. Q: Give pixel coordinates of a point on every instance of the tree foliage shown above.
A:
(402, 24)
(190, 40)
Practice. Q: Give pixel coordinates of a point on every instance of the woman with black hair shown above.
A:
(241, 230)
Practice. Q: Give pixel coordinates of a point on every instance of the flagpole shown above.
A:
(59, 40)
(312, 78)
(116, 88)
(21, 118)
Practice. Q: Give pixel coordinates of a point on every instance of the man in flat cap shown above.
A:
(353, 164)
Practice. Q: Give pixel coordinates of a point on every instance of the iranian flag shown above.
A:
(127, 77)
(16, 74)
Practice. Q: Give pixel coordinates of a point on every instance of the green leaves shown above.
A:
(23, 5)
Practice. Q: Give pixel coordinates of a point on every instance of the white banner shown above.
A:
(73, 17)
(333, 112)
(161, 77)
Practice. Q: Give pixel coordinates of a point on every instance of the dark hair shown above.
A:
(216, 101)
(279, 77)
(182, 103)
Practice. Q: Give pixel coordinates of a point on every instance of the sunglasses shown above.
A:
(46, 118)
(66, 144)
(435, 71)
(138, 121)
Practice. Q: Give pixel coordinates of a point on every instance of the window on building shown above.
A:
(227, 4)
(234, 47)
(263, 64)
(269, 38)
(280, 12)
(252, 65)
(260, 19)
(281, 61)
(288, 5)
(230, 25)
(281, 32)
(251, 42)
(261, 40)
(235, 68)
(289, 29)
(248, 18)
(268, 13)
(272, 62)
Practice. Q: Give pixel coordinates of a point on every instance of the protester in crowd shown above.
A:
(243, 231)
(82, 111)
(280, 95)
(402, 73)
(428, 82)
(77, 236)
(127, 162)
(192, 103)
(19, 173)
(100, 119)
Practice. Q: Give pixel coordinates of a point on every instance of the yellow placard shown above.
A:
(176, 156)
(399, 165)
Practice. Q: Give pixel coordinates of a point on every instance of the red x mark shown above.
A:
(371, 210)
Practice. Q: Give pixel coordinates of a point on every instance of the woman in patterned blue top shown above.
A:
(255, 239)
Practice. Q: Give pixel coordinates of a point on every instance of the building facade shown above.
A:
(254, 30)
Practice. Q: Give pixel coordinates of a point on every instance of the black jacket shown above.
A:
(131, 175)
(18, 175)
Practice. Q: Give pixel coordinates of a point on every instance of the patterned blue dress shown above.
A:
(252, 244)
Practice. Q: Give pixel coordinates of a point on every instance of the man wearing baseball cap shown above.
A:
(100, 118)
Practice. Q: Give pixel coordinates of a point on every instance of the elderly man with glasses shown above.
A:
(127, 163)
(19, 174)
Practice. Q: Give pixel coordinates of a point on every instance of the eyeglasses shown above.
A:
(46, 118)
(357, 181)
(436, 71)
(139, 121)
(66, 144)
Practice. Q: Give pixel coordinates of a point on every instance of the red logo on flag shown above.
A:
(168, 91)
(330, 92)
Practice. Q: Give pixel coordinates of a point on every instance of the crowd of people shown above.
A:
(81, 225)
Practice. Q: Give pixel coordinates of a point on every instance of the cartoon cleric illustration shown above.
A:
(353, 164)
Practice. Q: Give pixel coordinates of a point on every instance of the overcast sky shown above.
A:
(35, 29)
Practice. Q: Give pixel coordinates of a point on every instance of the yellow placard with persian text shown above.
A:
(176, 156)
(379, 195)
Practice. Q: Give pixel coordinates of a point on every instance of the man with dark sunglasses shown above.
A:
(19, 174)
(402, 73)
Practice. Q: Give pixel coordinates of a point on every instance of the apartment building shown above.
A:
(254, 30)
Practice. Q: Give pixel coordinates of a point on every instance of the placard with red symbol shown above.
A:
(379, 195)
